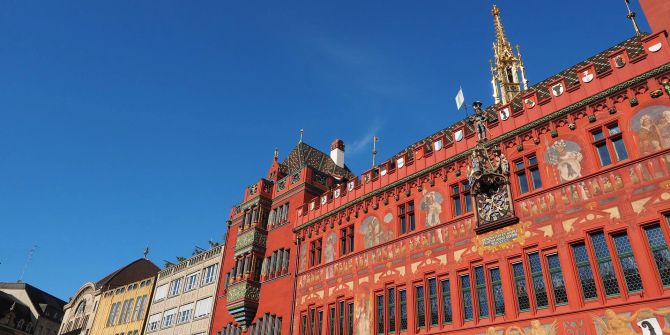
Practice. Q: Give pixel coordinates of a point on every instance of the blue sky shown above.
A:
(127, 123)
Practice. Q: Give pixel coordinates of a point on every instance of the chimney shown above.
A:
(337, 152)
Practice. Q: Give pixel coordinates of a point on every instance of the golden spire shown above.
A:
(508, 71)
(501, 39)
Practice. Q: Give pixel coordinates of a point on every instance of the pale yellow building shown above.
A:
(124, 300)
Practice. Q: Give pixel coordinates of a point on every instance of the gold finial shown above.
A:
(495, 11)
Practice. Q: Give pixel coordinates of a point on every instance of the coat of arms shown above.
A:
(557, 89)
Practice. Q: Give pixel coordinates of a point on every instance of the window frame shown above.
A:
(529, 166)
(608, 139)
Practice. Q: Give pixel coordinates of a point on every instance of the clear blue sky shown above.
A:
(127, 123)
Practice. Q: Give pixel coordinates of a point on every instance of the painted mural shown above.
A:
(374, 232)
(566, 158)
(622, 324)
(303, 257)
(329, 252)
(652, 126)
(534, 328)
(363, 310)
(431, 203)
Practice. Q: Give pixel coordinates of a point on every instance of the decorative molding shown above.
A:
(506, 136)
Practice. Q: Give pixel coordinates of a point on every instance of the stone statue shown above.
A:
(480, 121)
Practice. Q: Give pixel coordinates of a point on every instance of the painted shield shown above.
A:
(350, 186)
(587, 76)
(458, 136)
(437, 145)
(504, 114)
(655, 47)
(529, 102)
(650, 327)
(619, 62)
(400, 162)
(557, 89)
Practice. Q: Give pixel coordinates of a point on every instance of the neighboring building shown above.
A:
(15, 317)
(184, 295)
(116, 304)
(546, 213)
(45, 312)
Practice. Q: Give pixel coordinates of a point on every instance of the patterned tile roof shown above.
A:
(305, 155)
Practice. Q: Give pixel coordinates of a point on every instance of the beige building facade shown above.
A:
(184, 296)
(114, 305)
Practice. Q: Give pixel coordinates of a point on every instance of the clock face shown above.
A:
(493, 203)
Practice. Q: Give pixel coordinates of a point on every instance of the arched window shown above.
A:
(80, 308)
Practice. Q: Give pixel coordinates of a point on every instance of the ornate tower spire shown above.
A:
(508, 72)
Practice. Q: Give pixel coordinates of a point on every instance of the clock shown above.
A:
(493, 203)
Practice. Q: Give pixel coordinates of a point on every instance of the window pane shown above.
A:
(557, 283)
(331, 321)
(520, 286)
(420, 308)
(620, 149)
(598, 135)
(446, 302)
(535, 176)
(613, 129)
(482, 300)
(468, 202)
(432, 299)
(604, 154)
(350, 318)
(659, 249)
(519, 166)
(538, 280)
(340, 324)
(607, 275)
(457, 206)
(631, 274)
(585, 273)
(467, 298)
(391, 309)
(532, 160)
(402, 296)
(523, 182)
(498, 298)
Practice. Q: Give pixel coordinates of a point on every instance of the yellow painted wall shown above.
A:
(119, 295)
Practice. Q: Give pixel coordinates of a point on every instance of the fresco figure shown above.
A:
(329, 253)
(363, 311)
(374, 232)
(614, 324)
(567, 157)
(650, 138)
(431, 203)
(652, 125)
(303, 257)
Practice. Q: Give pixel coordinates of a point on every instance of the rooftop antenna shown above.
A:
(375, 139)
(30, 258)
(302, 131)
(146, 251)
(631, 17)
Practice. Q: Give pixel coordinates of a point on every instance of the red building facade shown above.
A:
(547, 213)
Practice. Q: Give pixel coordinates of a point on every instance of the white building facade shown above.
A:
(184, 296)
